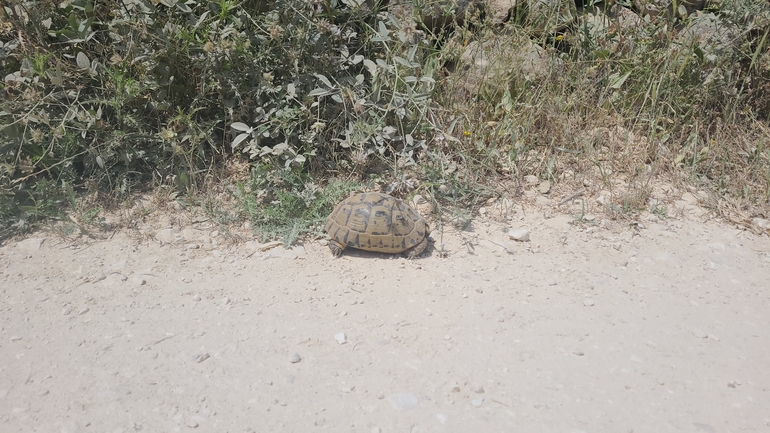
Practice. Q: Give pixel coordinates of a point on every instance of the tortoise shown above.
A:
(372, 221)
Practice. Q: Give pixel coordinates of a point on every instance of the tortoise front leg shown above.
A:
(336, 247)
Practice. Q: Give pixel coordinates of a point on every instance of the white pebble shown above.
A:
(15, 338)
(197, 298)
(477, 402)
(588, 302)
(521, 235)
(341, 338)
(295, 358)
(403, 401)
(83, 310)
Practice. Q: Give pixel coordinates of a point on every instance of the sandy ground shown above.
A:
(603, 327)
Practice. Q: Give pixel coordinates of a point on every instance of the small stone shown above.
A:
(530, 179)
(552, 282)
(617, 246)
(166, 236)
(479, 290)
(465, 295)
(202, 357)
(191, 424)
(139, 281)
(544, 187)
(761, 223)
(520, 235)
(214, 234)
(324, 242)
(447, 337)
(477, 402)
(197, 298)
(478, 389)
(589, 217)
(577, 353)
(31, 244)
(295, 358)
(192, 246)
(403, 401)
(226, 301)
(341, 338)
(83, 311)
(15, 338)
(441, 418)
(588, 302)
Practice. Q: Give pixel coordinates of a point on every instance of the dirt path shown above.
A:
(664, 327)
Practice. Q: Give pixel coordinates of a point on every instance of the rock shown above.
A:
(656, 7)
(403, 401)
(530, 179)
(761, 223)
(589, 218)
(283, 253)
(712, 35)
(500, 10)
(552, 282)
(477, 402)
(588, 302)
(341, 338)
(83, 311)
(197, 298)
(15, 338)
(295, 358)
(478, 389)
(31, 244)
(490, 65)
(521, 235)
(544, 187)
(139, 281)
(167, 236)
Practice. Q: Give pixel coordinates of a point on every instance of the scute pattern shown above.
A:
(376, 222)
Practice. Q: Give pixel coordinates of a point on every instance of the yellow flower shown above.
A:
(560, 37)
(467, 133)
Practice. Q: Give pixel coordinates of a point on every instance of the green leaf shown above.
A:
(239, 139)
(616, 82)
(82, 61)
(239, 126)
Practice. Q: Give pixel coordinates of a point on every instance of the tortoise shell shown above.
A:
(377, 222)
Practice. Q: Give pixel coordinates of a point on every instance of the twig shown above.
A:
(577, 194)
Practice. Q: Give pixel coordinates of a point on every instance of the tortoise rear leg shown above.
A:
(336, 247)
(417, 249)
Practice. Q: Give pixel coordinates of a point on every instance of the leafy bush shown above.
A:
(126, 92)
